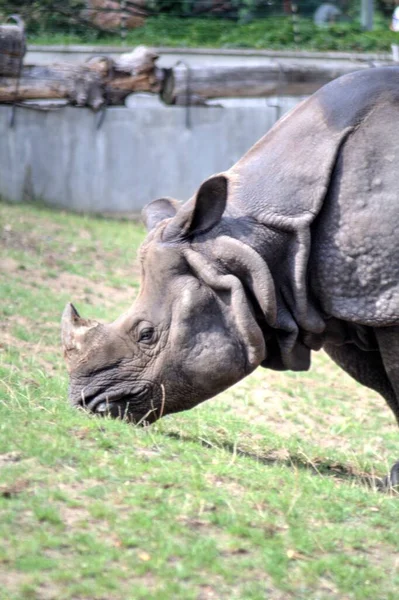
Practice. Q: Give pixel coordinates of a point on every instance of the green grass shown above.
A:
(271, 33)
(257, 494)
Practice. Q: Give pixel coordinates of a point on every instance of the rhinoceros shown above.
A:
(293, 249)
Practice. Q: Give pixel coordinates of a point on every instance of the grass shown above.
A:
(271, 33)
(259, 493)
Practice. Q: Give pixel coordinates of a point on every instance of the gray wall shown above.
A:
(43, 55)
(140, 152)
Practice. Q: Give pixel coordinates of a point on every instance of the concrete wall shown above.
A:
(43, 55)
(140, 152)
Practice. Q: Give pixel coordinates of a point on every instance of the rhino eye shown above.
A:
(146, 334)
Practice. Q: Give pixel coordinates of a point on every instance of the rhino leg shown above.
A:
(388, 342)
(376, 371)
(367, 368)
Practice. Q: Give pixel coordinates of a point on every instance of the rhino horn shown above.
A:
(73, 329)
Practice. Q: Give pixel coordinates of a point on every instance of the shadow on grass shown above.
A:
(317, 467)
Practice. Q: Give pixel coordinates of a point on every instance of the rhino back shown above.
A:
(283, 179)
(346, 101)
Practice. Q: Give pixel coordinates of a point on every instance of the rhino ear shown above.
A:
(158, 210)
(202, 212)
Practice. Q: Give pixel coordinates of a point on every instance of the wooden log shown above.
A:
(118, 88)
(103, 80)
(190, 85)
(31, 89)
(81, 90)
(93, 84)
(12, 48)
(82, 85)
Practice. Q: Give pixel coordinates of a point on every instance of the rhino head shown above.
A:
(192, 331)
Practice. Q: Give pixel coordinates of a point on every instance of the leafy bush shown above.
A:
(273, 33)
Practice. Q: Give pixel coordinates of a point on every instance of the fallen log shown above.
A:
(103, 80)
(196, 84)
(81, 87)
(99, 81)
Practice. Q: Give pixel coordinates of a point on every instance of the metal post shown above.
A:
(295, 22)
(367, 11)
(123, 20)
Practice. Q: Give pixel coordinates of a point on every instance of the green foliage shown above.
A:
(272, 32)
(191, 24)
(347, 36)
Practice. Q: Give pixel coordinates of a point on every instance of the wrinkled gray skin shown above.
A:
(293, 249)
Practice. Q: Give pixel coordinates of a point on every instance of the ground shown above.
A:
(266, 492)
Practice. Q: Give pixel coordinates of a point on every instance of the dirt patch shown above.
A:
(377, 556)
(226, 483)
(75, 490)
(12, 580)
(208, 593)
(76, 513)
(8, 265)
(28, 350)
(44, 239)
(92, 292)
(80, 288)
(73, 516)
(10, 457)
(18, 240)
(292, 407)
(219, 590)
(47, 591)
(74, 510)
(9, 490)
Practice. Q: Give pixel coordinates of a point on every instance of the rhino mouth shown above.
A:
(118, 409)
(128, 404)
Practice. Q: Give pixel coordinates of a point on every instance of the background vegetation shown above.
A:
(264, 492)
(273, 33)
(243, 24)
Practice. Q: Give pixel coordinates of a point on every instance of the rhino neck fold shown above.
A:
(298, 325)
